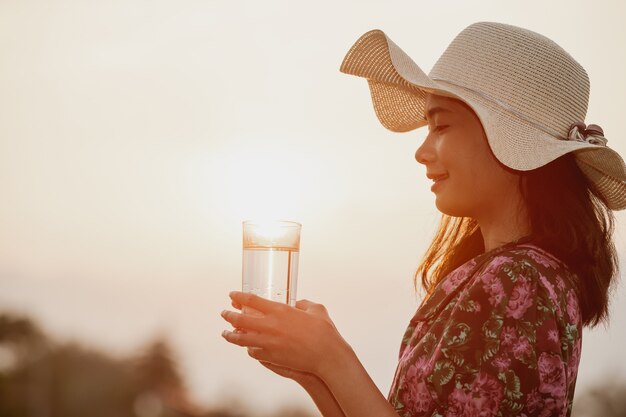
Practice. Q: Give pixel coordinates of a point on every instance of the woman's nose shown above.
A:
(425, 153)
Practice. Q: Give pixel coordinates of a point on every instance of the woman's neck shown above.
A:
(504, 226)
(495, 241)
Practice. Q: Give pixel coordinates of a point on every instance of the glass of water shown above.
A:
(270, 259)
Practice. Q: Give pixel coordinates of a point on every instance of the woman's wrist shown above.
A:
(344, 375)
(334, 364)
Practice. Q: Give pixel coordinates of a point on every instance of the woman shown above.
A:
(523, 257)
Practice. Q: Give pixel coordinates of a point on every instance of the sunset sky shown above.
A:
(136, 136)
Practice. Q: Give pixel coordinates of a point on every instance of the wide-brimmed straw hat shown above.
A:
(530, 95)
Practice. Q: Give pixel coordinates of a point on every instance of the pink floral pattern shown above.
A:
(456, 278)
(551, 375)
(483, 399)
(499, 336)
(521, 299)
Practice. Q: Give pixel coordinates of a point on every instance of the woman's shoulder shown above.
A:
(535, 255)
(529, 260)
(515, 262)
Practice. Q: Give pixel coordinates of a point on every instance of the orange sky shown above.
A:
(135, 138)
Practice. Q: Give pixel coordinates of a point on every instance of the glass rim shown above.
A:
(285, 223)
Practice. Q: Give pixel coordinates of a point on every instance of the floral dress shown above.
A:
(499, 336)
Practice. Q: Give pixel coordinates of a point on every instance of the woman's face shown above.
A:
(468, 179)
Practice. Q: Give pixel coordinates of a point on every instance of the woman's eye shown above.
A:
(440, 128)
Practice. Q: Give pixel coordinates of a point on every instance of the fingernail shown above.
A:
(223, 313)
(224, 333)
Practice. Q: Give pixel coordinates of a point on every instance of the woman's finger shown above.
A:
(271, 366)
(280, 370)
(258, 303)
(257, 353)
(236, 305)
(298, 376)
(245, 321)
(304, 304)
(245, 339)
(311, 307)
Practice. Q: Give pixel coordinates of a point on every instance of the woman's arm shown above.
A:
(314, 386)
(323, 399)
(353, 388)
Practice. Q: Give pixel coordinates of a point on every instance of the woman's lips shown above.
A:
(440, 177)
(438, 181)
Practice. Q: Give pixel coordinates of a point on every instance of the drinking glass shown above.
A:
(270, 259)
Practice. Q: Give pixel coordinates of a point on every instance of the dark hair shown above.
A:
(568, 218)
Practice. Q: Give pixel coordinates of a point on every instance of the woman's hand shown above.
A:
(304, 379)
(303, 344)
(301, 339)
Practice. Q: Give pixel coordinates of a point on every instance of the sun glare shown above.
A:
(262, 182)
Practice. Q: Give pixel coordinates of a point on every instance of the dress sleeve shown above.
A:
(505, 346)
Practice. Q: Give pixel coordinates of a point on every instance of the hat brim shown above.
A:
(398, 88)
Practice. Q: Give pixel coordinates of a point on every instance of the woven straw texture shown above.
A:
(526, 90)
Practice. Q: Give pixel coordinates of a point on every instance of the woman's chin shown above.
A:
(449, 208)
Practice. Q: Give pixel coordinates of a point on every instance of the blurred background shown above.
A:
(136, 136)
